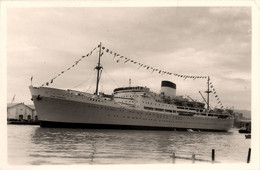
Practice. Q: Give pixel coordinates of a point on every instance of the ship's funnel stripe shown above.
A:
(168, 84)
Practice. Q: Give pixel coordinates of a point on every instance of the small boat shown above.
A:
(246, 129)
(190, 130)
(248, 136)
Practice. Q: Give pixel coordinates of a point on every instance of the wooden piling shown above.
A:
(213, 155)
(193, 158)
(248, 156)
(173, 155)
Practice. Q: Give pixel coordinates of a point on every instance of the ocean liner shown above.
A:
(127, 108)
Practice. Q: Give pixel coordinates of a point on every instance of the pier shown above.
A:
(193, 158)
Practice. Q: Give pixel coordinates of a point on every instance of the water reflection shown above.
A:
(97, 146)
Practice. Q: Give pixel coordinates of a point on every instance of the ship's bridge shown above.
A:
(126, 96)
(131, 89)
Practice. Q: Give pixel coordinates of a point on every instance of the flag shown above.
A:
(31, 78)
(127, 60)
(13, 99)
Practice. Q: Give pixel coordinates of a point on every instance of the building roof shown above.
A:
(31, 106)
(11, 105)
(245, 120)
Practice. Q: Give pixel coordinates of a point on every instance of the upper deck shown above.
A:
(131, 89)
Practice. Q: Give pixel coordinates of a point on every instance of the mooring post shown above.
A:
(173, 155)
(213, 155)
(248, 156)
(193, 158)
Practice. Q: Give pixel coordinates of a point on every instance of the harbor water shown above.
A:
(32, 145)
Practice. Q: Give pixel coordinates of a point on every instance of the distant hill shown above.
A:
(246, 113)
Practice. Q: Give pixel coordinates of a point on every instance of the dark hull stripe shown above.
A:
(106, 126)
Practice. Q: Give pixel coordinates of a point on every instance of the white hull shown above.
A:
(59, 107)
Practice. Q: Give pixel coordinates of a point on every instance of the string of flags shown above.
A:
(215, 95)
(75, 63)
(123, 59)
(120, 58)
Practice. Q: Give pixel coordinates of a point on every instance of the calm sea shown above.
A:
(32, 145)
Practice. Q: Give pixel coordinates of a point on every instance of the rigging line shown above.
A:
(111, 78)
(93, 79)
(88, 89)
(162, 72)
(75, 63)
(134, 72)
(91, 73)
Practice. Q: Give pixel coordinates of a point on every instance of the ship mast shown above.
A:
(208, 91)
(98, 68)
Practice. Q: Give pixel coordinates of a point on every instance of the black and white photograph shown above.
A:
(140, 84)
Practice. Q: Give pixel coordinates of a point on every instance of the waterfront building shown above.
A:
(21, 112)
(241, 121)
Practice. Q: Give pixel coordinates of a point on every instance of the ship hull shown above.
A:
(58, 108)
(49, 124)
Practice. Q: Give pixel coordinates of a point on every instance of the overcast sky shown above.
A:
(194, 41)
